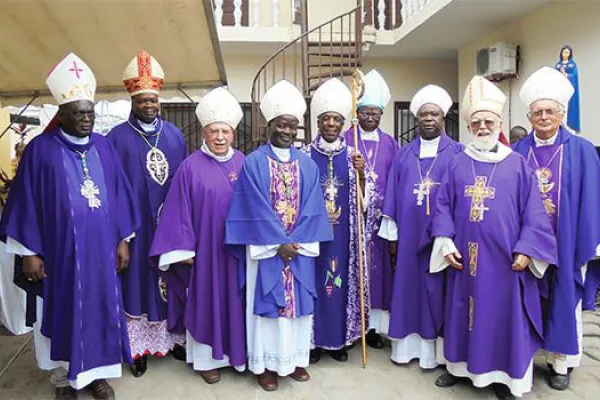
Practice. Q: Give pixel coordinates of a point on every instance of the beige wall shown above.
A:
(541, 35)
(404, 77)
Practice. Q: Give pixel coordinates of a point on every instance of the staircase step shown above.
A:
(348, 64)
(324, 44)
(326, 53)
(327, 74)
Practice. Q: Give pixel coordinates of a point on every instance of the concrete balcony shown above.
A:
(438, 28)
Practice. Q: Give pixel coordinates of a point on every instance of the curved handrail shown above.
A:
(295, 41)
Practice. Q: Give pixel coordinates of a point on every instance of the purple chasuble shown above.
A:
(141, 283)
(379, 156)
(492, 211)
(48, 214)
(205, 298)
(337, 308)
(413, 183)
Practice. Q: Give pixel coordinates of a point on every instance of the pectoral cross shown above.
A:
(90, 191)
(423, 191)
(478, 193)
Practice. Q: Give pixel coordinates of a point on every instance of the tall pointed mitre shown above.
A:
(219, 105)
(332, 96)
(482, 95)
(143, 75)
(377, 92)
(431, 94)
(283, 98)
(71, 80)
(547, 84)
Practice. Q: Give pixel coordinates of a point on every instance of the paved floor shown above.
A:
(171, 379)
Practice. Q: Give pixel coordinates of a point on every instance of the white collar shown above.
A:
(545, 142)
(330, 147)
(429, 148)
(151, 127)
(283, 154)
(488, 156)
(75, 139)
(370, 135)
(221, 159)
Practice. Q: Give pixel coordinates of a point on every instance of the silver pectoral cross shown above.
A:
(157, 165)
(90, 191)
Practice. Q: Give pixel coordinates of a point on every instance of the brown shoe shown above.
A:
(101, 390)
(268, 381)
(65, 393)
(300, 375)
(211, 376)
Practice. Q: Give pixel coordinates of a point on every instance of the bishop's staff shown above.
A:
(358, 89)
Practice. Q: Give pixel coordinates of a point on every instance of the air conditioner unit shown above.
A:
(497, 61)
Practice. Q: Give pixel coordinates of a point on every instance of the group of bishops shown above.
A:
(474, 257)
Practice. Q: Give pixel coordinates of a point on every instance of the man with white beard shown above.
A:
(489, 209)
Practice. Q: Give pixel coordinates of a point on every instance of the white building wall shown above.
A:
(404, 77)
(541, 35)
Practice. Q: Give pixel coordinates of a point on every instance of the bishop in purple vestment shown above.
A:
(151, 150)
(337, 321)
(379, 150)
(567, 169)
(416, 314)
(491, 229)
(205, 299)
(69, 213)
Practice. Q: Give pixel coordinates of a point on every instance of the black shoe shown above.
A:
(140, 366)
(340, 355)
(502, 392)
(560, 382)
(315, 356)
(446, 380)
(374, 339)
(179, 353)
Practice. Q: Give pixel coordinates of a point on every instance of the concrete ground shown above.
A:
(171, 379)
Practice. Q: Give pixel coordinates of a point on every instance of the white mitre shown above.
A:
(283, 98)
(71, 80)
(332, 96)
(219, 105)
(377, 92)
(431, 94)
(482, 95)
(143, 74)
(547, 84)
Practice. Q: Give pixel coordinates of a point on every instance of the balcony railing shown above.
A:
(384, 15)
(253, 13)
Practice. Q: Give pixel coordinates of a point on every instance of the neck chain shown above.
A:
(88, 189)
(371, 164)
(232, 176)
(156, 161)
(423, 188)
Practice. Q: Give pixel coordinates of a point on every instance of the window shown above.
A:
(183, 116)
(405, 124)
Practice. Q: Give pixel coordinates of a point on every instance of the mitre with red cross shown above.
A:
(71, 80)
(143, 75)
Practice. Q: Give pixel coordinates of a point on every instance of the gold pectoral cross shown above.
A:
(478, 193)
(423, 191)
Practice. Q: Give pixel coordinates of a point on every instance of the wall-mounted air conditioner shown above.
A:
(497, 62)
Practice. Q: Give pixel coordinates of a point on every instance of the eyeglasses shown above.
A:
(476, 124)
(550, 112)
